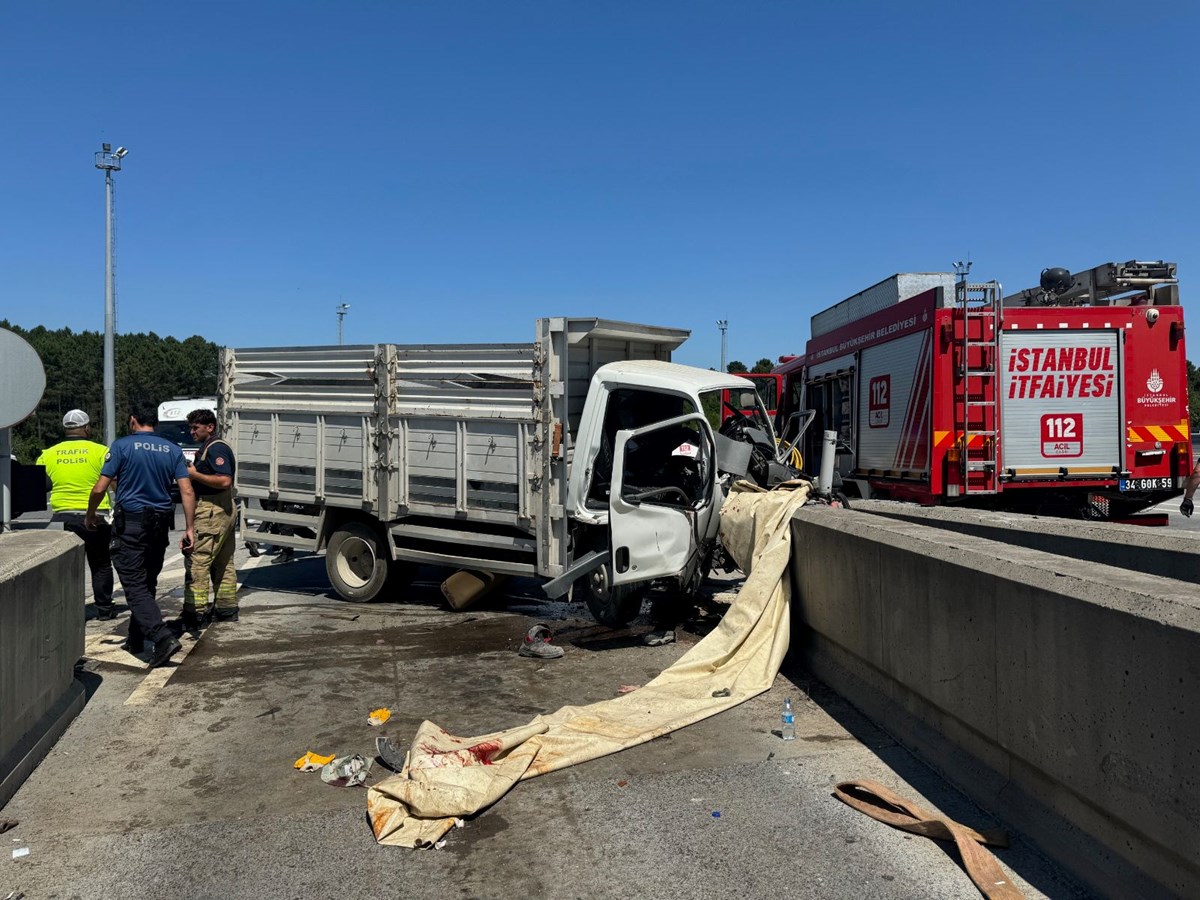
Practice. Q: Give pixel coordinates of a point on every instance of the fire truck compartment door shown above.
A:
(894, 404)
(661, 504)
(1061, 404)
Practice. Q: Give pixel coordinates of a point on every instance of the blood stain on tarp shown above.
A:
(436, 757)
(485, 751)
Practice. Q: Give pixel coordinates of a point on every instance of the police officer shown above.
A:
(212, 554)
(72, 467)
(143, 464)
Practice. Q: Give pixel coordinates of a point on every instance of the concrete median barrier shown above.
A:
(41, 639)
(1155, 551)
(1059, 693)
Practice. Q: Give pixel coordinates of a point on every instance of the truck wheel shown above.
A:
(614, 605)
(356, 562)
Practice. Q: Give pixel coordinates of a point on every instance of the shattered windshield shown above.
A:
(739, 403)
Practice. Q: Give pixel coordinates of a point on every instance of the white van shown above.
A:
(173, 425)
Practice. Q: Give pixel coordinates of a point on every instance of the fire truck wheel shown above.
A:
(356, 562)
(614, 605)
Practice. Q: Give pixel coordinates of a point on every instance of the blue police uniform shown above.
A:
(144, 466)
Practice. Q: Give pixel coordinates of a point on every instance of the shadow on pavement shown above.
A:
(1021, 856)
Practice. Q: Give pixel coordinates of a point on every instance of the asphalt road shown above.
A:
(179, 783)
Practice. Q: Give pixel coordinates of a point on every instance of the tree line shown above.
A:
(149, 370)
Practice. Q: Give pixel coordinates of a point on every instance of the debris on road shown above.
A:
(466, 588)
(537, 644)
(346, 771)
(8, 825)
(379, 716)
(310, 761)
(18, 852)
(628, 688)
(389, 754)
(723, 692)
(658, 638)
(879, 803)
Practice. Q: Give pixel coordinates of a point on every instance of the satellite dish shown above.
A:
(22, 379)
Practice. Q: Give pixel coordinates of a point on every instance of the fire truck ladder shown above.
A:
(979, 362)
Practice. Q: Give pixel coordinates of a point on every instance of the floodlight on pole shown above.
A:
(723, 324)
(341, 314)
(110, 162)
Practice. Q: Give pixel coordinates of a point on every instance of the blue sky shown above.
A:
(454, 170)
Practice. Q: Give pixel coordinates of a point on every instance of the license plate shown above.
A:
(1146, 484)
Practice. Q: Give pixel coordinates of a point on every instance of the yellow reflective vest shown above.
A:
(73, 467)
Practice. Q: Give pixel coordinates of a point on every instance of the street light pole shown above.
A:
(723, 324)
(110, 162)
(341, 313)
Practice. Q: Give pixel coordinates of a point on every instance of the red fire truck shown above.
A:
(1065, 399)
(768, 385)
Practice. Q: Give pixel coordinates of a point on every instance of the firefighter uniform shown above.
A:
(72, 467)
(211, 558)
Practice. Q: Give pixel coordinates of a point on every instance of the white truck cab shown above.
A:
(649, 470)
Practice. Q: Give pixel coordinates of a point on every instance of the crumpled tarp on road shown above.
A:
(446, 777)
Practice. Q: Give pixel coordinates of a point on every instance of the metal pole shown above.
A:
(828, 456)
(341, 314)
(110, 317)
(5, 478)
(723, 324)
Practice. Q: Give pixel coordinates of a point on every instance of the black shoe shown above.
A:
(106, 612)
(164, 647)
(133, 646)
(193, 620)
(225, 615)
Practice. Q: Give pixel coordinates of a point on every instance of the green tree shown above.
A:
(763, 365)
(736, 367)
(150, 370)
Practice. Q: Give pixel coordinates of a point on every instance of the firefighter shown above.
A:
(212, 556)
(72, 467)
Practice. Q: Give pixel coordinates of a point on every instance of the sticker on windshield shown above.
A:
(686, 449)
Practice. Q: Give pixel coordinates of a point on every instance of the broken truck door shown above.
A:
(661, 501)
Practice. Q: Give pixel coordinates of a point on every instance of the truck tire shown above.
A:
(613, 605)
(357, 562)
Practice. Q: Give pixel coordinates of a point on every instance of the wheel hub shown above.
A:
(356, 562)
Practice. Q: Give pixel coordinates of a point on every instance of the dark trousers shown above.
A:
(139, 543)
(95, 545)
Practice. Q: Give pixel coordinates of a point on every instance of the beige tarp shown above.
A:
(446, 777)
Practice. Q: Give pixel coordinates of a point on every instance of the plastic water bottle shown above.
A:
(788, 730)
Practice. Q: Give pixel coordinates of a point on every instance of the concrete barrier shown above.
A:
(41, 639)
(1155, 551)
(1060, 694)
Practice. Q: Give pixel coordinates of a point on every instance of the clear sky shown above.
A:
(453, 170)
